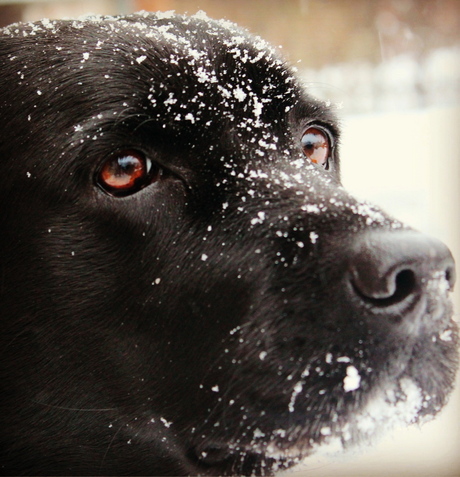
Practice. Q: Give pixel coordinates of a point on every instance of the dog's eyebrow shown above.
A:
(306, 110)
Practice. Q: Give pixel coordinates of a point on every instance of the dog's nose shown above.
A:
(392, 269)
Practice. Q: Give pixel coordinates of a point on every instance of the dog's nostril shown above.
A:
(450, 277)
(392, 289)
(405, 284)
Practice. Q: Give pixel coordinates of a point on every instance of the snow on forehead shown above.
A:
(177, 30)
(200, 40)
(196, 39)
(187, 35)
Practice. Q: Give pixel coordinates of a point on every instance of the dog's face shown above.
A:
(185, 286)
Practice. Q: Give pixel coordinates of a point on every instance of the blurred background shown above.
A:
(392, 68)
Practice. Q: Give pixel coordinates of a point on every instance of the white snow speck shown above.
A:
(165, 422)
(259, 219)
(306, 372)
(258, 106)
(262, 355)
(239, 94)
(311, 208)
(204, 257)
(200, 15)
(190, 117)
(446, 335)
(280, 432)
(165, 15)
(215, 388)
(232, 332)
(140, 59)
(258, 433)
(313, 237)
(296, 391)
(352, 380)
(170, 100)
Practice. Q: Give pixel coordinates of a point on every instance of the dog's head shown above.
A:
(185, 285)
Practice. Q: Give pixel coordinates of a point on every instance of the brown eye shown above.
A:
(316, 146)
(126, 173)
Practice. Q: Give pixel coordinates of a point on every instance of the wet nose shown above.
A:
(391, 269)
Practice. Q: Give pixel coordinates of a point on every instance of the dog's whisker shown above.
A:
(73, 409)
(112, 440)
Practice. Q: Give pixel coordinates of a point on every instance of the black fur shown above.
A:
(225, 318)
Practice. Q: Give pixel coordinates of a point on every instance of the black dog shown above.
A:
(185, 286)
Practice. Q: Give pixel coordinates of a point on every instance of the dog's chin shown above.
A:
(397, 403)
(352, 414)
(393, 406)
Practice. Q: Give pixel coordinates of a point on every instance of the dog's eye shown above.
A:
(127, 172)
(316, 146)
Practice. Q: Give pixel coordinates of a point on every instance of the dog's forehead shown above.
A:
(209, 47)
(203, 67)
